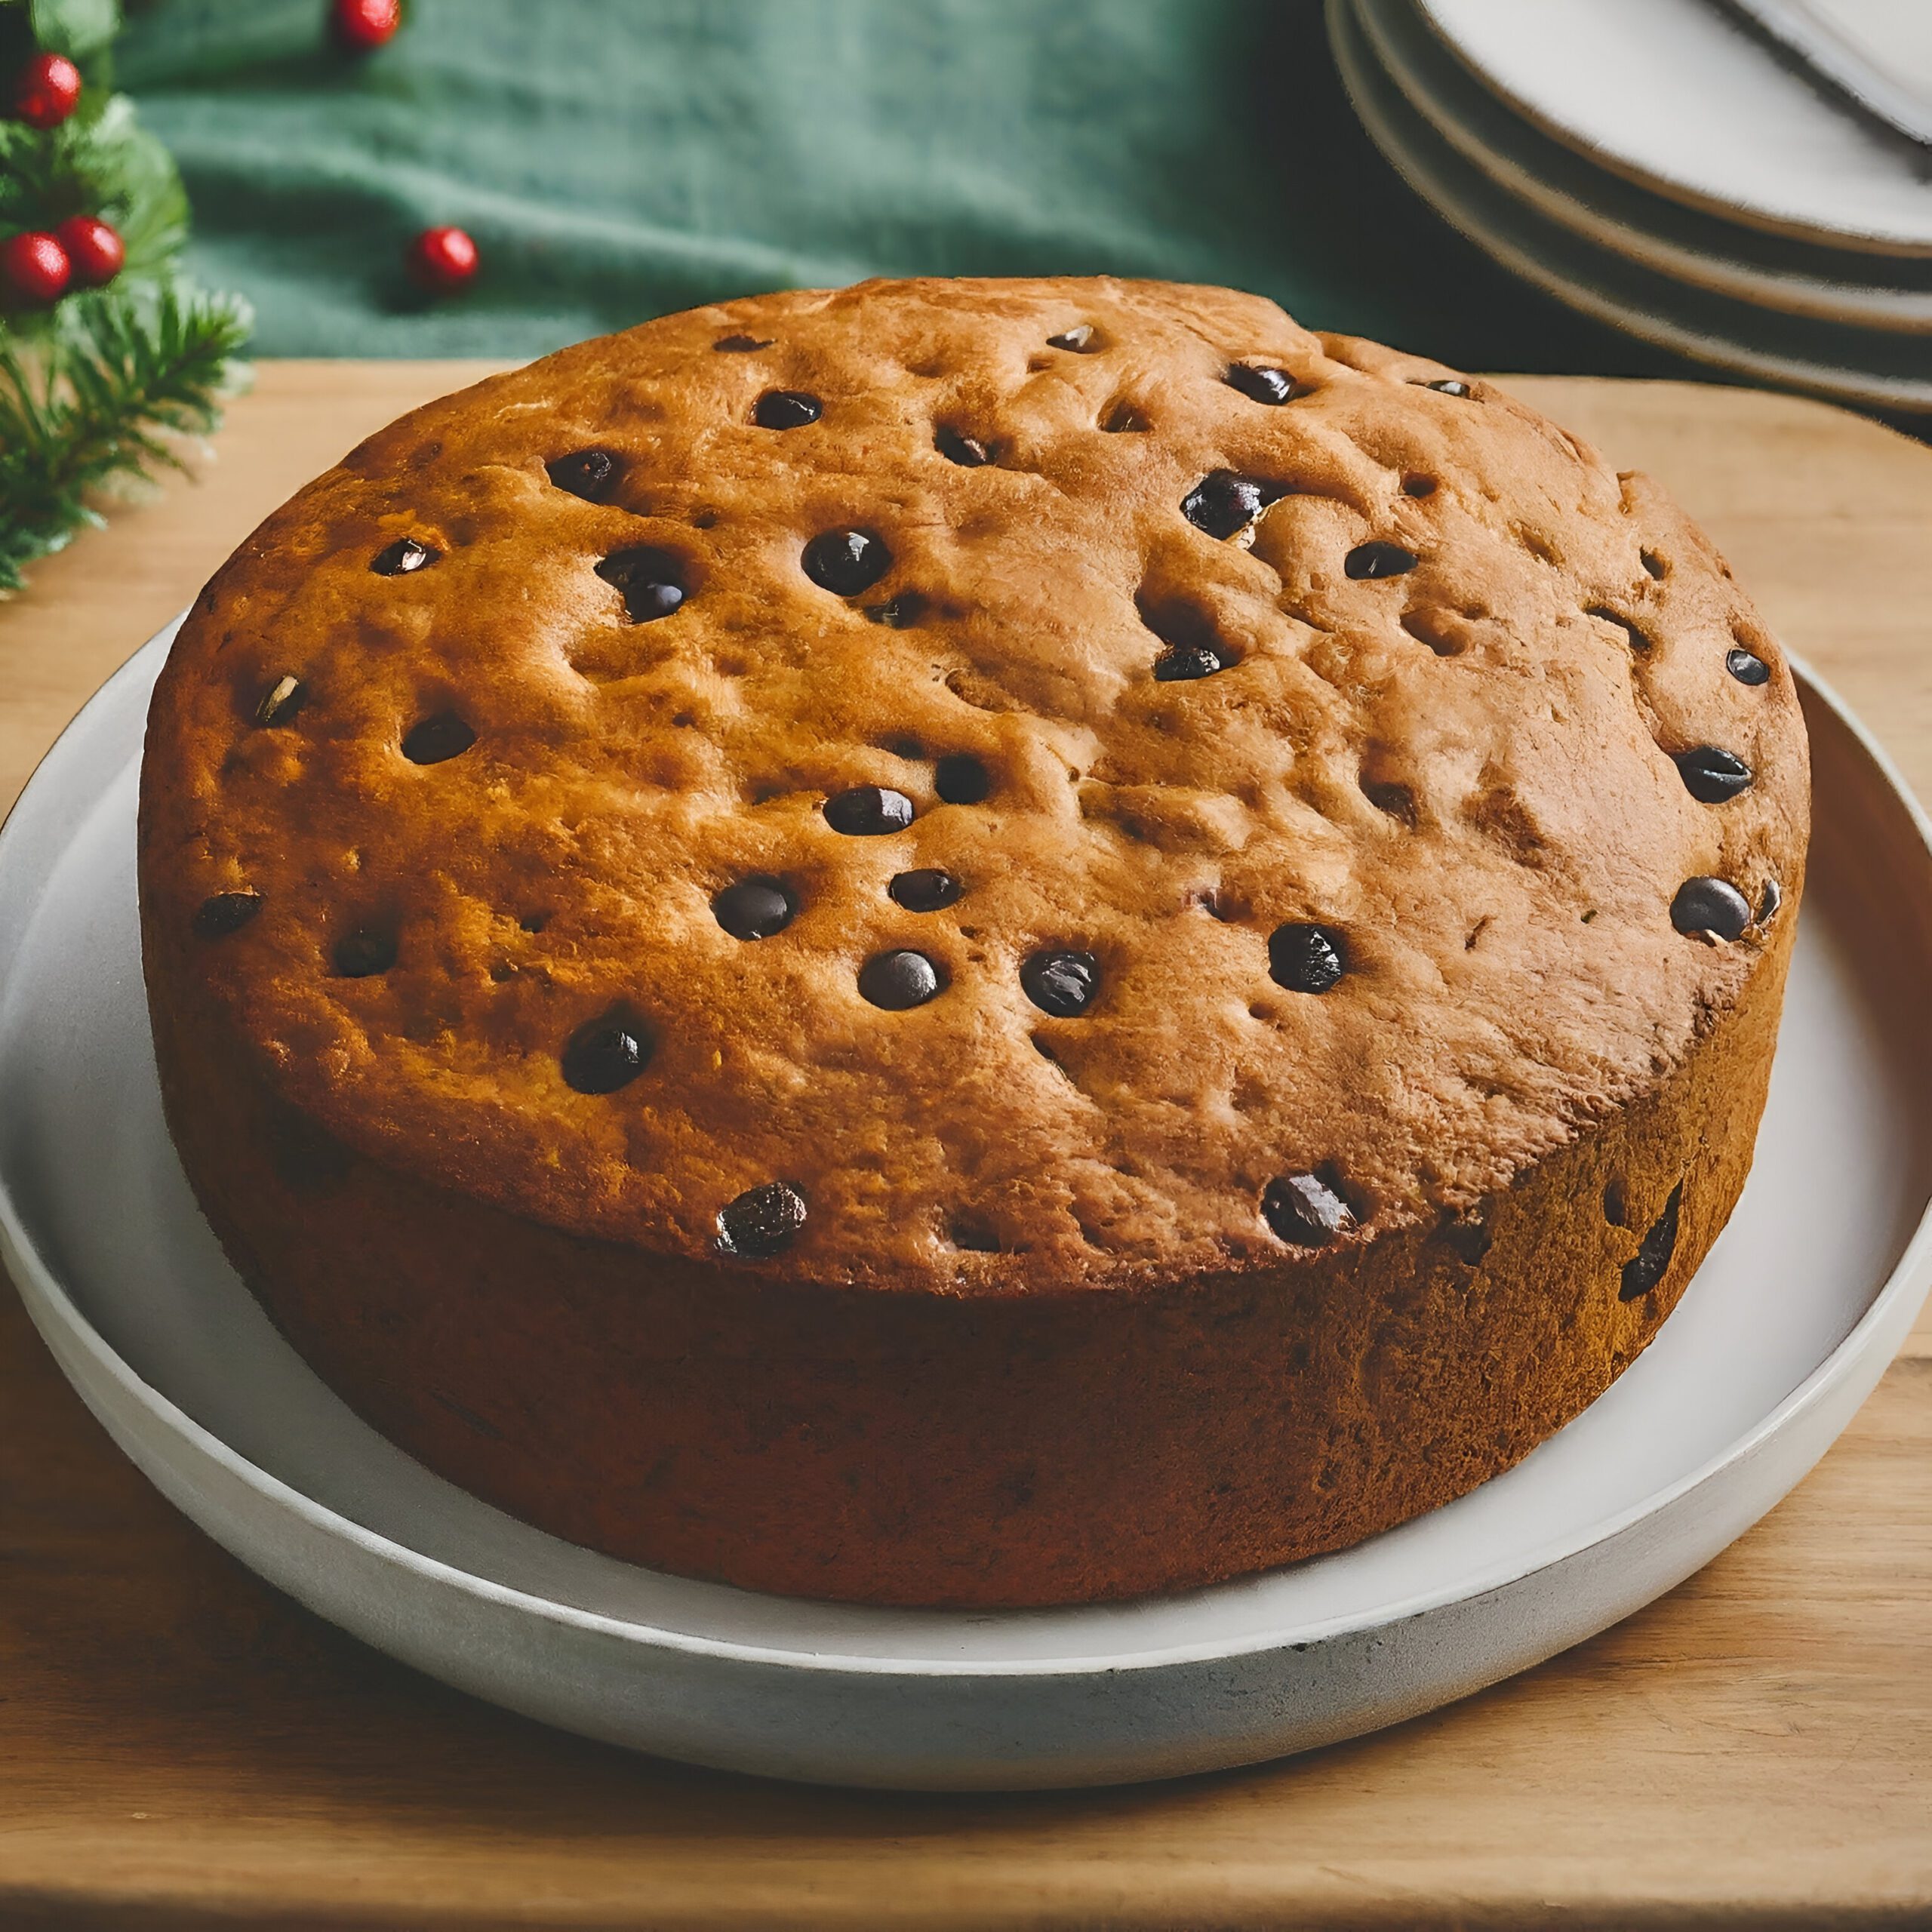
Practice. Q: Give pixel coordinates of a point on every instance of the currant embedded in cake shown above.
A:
(978, 942)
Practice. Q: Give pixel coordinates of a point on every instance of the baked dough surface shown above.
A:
(1464, 771)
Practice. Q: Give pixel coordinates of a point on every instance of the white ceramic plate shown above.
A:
(1790, 1321)
(1686, 101)
(1879, 51)
(1877, 367)
(1770, 271)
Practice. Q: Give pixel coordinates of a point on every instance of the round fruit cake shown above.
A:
(973, 942)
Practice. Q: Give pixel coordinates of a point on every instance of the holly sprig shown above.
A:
(103, 385)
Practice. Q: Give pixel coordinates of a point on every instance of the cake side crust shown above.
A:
(1040, 1449)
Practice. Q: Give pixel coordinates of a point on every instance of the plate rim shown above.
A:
(1891, 1309)
(1860, 240)
(1837, 381)
(1795, 291)
(1842, 63)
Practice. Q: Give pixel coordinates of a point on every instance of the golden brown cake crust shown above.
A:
(624, 773)
(1465, 701)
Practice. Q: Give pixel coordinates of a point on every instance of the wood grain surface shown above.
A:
(180, 1747)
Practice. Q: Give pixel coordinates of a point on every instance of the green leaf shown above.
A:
(75, 28)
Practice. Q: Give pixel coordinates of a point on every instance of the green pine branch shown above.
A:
(105, 385)
(100, 163)
(110, 391)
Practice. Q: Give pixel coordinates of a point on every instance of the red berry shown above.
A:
(442, 258)
(35, 267)
(94, 248)
(47, 90)
(360, 25)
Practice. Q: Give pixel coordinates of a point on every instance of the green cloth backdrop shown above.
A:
(618, 159)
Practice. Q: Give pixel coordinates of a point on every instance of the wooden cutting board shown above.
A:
(180, 1747)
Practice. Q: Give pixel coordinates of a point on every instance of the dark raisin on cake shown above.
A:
(786, 409)
(1306, 958)
(1712, 776)
(591, 474)
(846, 561)
(899, 980)
(1224, 504)
(926, 889)
(1304, 1211)
(650, 580)
(754, 908)
(226, 912)
(761, 1222)
(436, 739)
(1064, 984)
(1712, 906)
(1368, 562)
(957, 446)
(868, 811)
(1651, 1262)
(1260, 383)
(605, 1053)
(403, 557)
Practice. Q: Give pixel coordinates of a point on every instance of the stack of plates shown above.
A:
(1657, 165)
